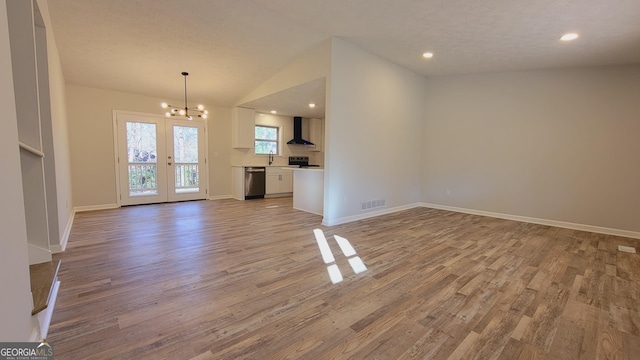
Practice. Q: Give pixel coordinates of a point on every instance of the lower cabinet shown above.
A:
(279, 181)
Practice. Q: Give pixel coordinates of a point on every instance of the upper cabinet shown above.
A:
(316, 134)
(242, 128)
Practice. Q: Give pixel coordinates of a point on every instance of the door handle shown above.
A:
(169, 163)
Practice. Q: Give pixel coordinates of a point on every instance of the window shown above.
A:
(266, 140)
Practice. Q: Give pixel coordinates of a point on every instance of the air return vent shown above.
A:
(372, 204)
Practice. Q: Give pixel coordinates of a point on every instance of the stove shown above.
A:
(300, 161)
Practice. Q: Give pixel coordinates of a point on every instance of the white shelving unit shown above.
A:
(28, 41)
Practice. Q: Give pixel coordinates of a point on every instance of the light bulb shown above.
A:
(206, 111)
(183, 112)
(173, 111)
(204, 116)
(167, 114)
(312, 105)
(200, 107)
(427, 55)
(569, 37)
(189, 117)
(164, 105)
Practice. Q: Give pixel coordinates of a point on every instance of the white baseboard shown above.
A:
(38, 255)
(65, 236)
(220, 197)
(561, 224)
(367, 215)
(78, 209)
(269, 196)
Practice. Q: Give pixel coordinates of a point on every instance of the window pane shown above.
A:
(266, 133)
(185, 151)
(266, 147)
(141, 157)
(141, 142)
(185, 144)
(266, 140)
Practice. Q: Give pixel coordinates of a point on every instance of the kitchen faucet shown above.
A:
(270, 157)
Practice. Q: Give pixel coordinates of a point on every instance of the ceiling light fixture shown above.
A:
(312, 105)
(274, 112)
(185, 111)
(569, 37)
(427, 55)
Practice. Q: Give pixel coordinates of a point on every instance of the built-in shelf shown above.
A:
(43, 279)
(30, 149)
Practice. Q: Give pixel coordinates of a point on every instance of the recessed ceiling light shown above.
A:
(312, 105)
(274, 112)
(569, 37)
(427, 55)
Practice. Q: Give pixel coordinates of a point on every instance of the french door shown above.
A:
(160, 160)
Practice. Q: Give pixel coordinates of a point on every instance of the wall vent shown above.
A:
(372, 204)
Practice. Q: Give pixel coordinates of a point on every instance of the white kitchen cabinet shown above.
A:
(278, 181)
(242, 128)
(316, 133)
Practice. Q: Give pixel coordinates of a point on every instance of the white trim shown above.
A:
(116, 149)
(547, 222)
(532, 220)
(220, 197)
(38, 254)
(65, 236)
(78, 209)
(44, 317)
(42, 320)
(367, 215)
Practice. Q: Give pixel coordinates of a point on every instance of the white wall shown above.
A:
(311, 65)
(90, 112)
(562, 145)
(219, 125)
(15, 297)
(373, 142)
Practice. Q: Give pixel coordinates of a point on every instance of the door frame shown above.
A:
(122, 113)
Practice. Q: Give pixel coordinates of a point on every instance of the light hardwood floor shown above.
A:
(228, 279)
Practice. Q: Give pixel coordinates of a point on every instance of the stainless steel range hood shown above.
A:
(297, 133)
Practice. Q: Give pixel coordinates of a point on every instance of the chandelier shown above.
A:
(185, 111)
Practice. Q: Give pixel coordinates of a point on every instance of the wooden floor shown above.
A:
(228, 279)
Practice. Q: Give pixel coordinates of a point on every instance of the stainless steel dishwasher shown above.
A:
(254, 182)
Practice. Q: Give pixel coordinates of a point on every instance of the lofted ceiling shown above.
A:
(231, 47)
(294, 101)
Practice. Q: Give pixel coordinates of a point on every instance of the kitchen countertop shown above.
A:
(312, 168)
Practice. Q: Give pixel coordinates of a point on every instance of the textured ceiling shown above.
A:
(294, 101)
(231, 47)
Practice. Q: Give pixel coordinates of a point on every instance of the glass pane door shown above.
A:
(160, 160)
(140, 160)
(188, 170)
